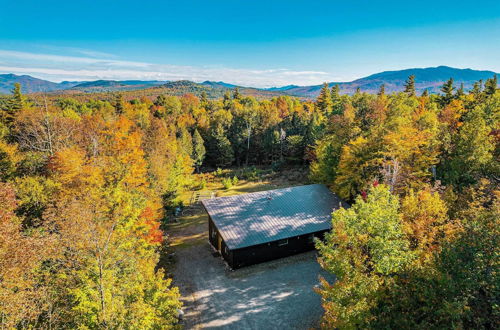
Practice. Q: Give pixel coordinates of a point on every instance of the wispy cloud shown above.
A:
(94, 66)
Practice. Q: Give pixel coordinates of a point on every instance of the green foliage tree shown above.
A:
(119, 104)
(225, 154)
(410, 86)
(324, 101)
(447, 90)
(365, 250)
(491, 86)
(381, 90)
(198, 150)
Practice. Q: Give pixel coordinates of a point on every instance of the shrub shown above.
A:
(235, 180)
(227, 183)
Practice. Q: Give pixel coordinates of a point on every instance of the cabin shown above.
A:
(256, 227)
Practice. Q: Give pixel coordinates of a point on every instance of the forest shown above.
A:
(87, 185)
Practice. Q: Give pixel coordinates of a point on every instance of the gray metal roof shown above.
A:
(261, 217)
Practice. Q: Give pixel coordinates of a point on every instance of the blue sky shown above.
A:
(252, 42)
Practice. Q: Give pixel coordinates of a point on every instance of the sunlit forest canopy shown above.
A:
(88, 184)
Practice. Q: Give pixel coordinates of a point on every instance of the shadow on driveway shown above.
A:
(273, 295)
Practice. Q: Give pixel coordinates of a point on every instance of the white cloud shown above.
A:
(59, 68)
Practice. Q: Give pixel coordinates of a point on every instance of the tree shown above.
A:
(335, 93)
(198, 150)
(14, 105)
(447, 89)
(425, 93)
(359, 163)
(477, 88)
(17, 101)
(381, 90)
(366, 249)
(224, 154)
(490, 86)
(119, 104)
(425, 222)
(22, 296)
(410, 86)
(236, 94)
(324, 101)
(460, 92)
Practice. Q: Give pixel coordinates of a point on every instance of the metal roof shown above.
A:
(266, 216)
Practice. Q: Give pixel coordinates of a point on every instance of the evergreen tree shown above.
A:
(447, 90)
(224, 154)
(460, 92)
(425, 93)
(17, 101)
(226, 101)
(203, 99)
(236, 94)
(14, 105)
(335, 93)
(410, 86)
(477, 89)
(324, 101)
(119, 106)
(490, 86)
(358, 91)
(198, 150)
(381, 91)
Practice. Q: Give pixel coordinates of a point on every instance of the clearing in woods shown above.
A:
(272, 295)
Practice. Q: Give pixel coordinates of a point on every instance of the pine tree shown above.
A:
(226, 101)
(460, 92)
(425, 93)
(335, 93)
(477, 88)
(324, 101)
(490, 86)
(236, 94)
(358, 91)
(119, 106)
(198, 150)
(410, 86)
(224, 151)
(203, 99)
(14, 105)
(381, 91)
(17, 101)
(447, 89)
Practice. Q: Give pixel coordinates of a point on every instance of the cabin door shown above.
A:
(219, 243)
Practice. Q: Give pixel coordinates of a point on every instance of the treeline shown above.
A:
(86, 183)
(420, 247)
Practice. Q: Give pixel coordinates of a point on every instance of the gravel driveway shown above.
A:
(273, 295)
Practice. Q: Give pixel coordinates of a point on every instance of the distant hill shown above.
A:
(114, 85)
(30, 84)
(426, 78)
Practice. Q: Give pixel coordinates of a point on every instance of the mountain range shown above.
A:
(430, 79)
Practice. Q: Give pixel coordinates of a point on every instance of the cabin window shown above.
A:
(282, 242)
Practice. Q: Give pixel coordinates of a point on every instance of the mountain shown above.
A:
(30, 84)
(114, 85)
(425, 78)
(218, 84)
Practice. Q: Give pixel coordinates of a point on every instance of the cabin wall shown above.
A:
(213, 238)
(274, 250)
